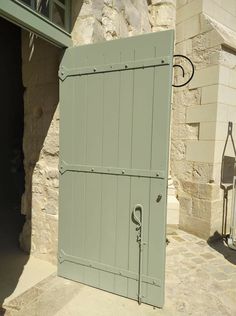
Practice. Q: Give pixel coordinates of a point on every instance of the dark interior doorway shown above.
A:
(11, 153)
(11, 130)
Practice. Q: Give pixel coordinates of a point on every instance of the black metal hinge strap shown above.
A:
(156, 174)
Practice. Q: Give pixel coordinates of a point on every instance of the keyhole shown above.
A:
(158, 198)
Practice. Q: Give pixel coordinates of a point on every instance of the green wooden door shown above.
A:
(114, 138)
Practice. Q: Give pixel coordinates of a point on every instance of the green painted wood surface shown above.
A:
(115, 119)
(26, 18)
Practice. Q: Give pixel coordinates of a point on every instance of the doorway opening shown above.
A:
(11, 131)
(11, 157)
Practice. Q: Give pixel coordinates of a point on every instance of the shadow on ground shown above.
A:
(13, 259)
(218, 243)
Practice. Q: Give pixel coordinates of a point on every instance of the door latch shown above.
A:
(138, 220)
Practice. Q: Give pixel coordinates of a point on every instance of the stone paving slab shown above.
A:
(200, 280)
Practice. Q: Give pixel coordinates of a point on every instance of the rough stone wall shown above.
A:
(40, 145)
(110, 19)
(197, 133)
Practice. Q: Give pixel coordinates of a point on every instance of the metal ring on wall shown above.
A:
(181, 67)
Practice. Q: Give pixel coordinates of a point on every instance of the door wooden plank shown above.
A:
(67, 114)
(79, 219)
(80, 113)
(92, 227)
(124, 161)
(156, 245)
(160, 136)
(108, 229)
(122, 234)
(93, 181)
(110, 108)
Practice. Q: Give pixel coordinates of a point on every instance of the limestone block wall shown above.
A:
(223, 19)
(40, 145)
(226, 111)
(198, 132)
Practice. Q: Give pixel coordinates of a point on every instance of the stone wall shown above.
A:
(226, 111)
(110, 19)
(40, 62)
(198, 132)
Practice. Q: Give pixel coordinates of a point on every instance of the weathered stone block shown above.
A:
(51, 146)
(51, 208)
(97, 7)
(119, 5)
(178, 150)
(196, 226)
(178, 114)
(226, 95)
(87, 30)
(202, 209)
(44, 236)
(202, 172)
(189, 10)
(180, 3)
(52, 173)
(207, 131)
(185, 203)
(227, 76)
(186, 98)
(206, 113)
(181, 169)
(207, 40)
(184, 48)
(133, 17)
(185, 131)
(205, 77)
(200, 150)
(203, 58)
(210, 94)
(203, 191)
(188, 29)
(162, 15)
(227, 59)
(114, 24)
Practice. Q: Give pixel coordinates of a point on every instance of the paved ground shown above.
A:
(200, 280)
(17, 269)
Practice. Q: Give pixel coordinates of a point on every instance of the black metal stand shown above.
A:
(227, 174)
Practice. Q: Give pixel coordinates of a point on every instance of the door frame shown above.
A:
(23, 16)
